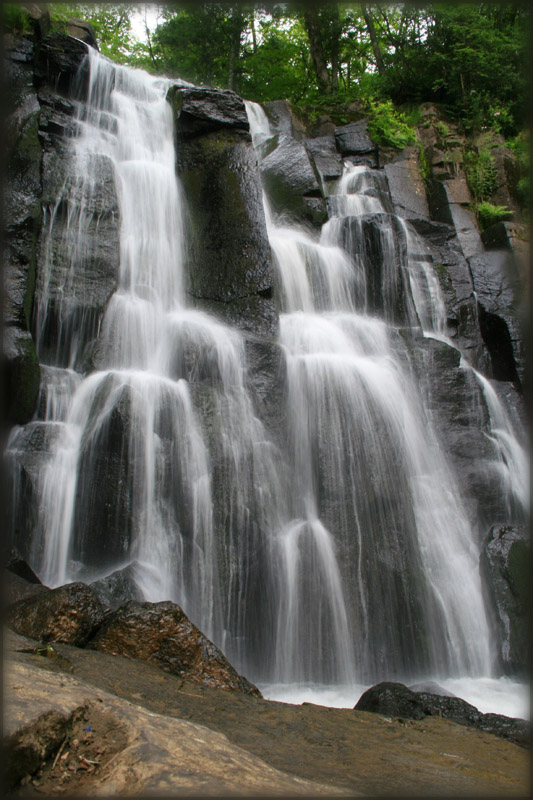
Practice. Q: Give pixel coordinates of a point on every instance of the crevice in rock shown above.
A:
(497, 339)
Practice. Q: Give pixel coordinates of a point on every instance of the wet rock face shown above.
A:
(60, 62)
(118, 588)
(104, 491)
(353, 139)
(200, 111)
(291, 182)
(396, 700)
(496, 283)
(162, 634)
(70, 614)
(504, 565)
(325, 157)
(20, 369)
(228, 254)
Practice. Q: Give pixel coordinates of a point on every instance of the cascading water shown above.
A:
(359, 433)
(340, 557)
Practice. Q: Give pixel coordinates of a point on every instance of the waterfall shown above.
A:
(340, 555)
(359, 431)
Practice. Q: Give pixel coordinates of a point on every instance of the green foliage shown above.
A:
(423, 162)
(389, 127)
(489, 214)
(15, 19)
(112, 26)
(481, 174)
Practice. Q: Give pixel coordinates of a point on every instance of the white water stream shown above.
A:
(344, 558)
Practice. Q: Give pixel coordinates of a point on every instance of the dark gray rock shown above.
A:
(28, 452)
(20, 374)
(16, 564)
(497, 287)
(323, 153)
(291, 182)
(70, 614)
(15, 588)
(119, 588)
(406, 186)
(104, 491)
(505, 566)
(354, 140)
(61, 62)
(396, 700)
(378, 240)
(501, 236)
(453, 273)
(77, 274)
(448, 200)
(229, 259)
(22, 186)
(431, 687)
(199, 111)
(283, 119)
(80, 29)
(455, 403)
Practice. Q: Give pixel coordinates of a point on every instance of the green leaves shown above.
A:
(389, 127)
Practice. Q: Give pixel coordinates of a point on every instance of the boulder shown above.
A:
(396, 700)
(406, 186)
(354, 140)
(80, 29)
(505, 567)
(200, 110)
(324, 155)
(162, 634)
(69, 614)
(119, 588)
(283, 119)
(291, 183)
(17, 565)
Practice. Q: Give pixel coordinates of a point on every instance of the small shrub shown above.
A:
(388, 127)
(489, 214)
(481, 174)
(15, 19)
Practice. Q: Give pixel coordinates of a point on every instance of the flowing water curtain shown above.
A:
(397, 570)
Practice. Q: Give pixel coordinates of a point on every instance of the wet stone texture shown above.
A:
(161, 634)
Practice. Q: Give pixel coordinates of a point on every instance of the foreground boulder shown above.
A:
(162, 634)
(69, 614)
(396, 700)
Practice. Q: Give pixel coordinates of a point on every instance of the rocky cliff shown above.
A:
(56, 288)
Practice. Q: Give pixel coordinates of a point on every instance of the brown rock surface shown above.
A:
(69, 614)
(162, 634)
(73, 738)
(356, 751)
